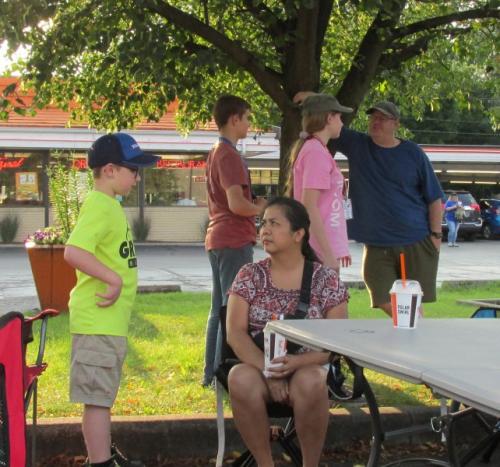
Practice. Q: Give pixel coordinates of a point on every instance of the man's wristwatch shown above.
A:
(438, 235)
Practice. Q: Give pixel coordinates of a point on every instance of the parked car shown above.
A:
(490, 212)
(472, 223)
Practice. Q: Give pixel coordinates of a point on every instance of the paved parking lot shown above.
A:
(187, 266)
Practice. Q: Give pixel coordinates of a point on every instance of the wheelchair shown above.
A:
(18, 384)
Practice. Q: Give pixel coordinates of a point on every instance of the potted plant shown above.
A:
(54, 278)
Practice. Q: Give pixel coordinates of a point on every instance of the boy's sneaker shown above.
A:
(118, 460)
(110, 463)
(122, 461)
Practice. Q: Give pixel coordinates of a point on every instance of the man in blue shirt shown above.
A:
(396, 204)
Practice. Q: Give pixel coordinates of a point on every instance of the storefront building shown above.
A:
(172, 195)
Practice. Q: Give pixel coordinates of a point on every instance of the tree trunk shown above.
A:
(301, 72)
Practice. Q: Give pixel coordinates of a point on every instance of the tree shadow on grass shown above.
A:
(141, 327)
(136, 365)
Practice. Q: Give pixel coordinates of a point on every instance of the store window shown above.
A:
(21, 179)
(265, 182)
(176, 181)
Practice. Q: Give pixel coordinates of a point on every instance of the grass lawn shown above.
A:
(163, 369)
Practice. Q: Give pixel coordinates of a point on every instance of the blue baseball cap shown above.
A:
(119, 149)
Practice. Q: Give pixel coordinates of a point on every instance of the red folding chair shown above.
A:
(18, 384)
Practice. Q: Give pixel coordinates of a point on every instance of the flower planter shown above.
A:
(54, 277)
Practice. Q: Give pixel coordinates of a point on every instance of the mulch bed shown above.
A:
(356, 454)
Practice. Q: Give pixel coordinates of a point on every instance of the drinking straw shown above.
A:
(403, 268)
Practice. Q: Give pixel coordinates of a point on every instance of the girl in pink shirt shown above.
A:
(317, 181)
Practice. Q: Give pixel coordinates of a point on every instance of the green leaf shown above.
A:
(123, 62)
(9, 89)
(19, 111)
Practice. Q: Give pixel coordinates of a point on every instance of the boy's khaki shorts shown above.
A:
(96, 367)
(381, 267)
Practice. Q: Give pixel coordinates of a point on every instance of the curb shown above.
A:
(158, 288)
(141, 244)
(178, 436)
(459, 283)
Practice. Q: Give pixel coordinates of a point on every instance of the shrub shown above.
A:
(9, 226)
(141, 228)
(67, 190)
(204, 227)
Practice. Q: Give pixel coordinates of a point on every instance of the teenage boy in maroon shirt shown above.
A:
(231, 231)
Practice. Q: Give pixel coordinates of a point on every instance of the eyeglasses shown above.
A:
(134, 170)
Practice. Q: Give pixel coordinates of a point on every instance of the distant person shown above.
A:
(396, 204)
(231, 231)
(101, 249)
(317, 181)
(451, 207)
(260, 291)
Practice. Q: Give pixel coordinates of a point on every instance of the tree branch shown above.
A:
(273, 26)
(398, 54)
(392, 60)
(289, 7)
(436, 22)
(269, 80)
(205, 11)
(365, 64)
(325, 11)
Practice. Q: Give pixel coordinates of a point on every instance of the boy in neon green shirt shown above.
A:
(101, 249)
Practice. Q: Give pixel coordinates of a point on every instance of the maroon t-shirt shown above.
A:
(225, 168)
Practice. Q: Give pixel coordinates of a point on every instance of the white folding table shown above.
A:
(456, 358)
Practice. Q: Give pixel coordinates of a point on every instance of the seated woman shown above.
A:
(261, 290)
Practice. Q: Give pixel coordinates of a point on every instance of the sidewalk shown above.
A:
(187, 266)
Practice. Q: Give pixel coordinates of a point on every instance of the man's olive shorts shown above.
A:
(381, 267)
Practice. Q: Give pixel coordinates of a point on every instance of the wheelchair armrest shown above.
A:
(48, 312)
(44, 315)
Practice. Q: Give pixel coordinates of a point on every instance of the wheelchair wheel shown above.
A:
(472, 435)
(417, 462)
(342, 387)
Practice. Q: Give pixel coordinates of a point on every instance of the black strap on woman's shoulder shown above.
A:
(305, 290)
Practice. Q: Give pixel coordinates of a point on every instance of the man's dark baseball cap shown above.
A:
(119, 149)
(387, 108)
